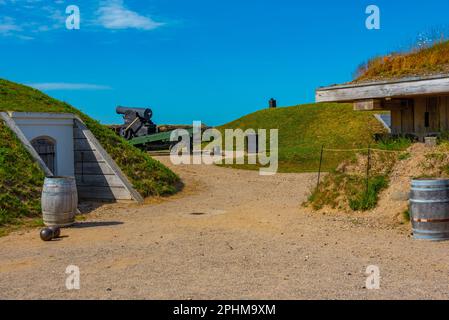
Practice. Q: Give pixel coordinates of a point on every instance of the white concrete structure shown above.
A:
(62, 145)
(56, 128)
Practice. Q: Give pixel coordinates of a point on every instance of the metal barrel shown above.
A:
(429, 209)
(59, 201)
(145, 113)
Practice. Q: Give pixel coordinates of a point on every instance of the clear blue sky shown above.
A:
(208, 60)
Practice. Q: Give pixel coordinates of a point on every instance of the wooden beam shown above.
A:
(395, 104)
(384, 89)
(368, 105)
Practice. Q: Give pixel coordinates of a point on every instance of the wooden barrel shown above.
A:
(59, 201)
(429, 209)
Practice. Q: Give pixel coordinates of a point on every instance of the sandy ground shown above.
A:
(229, 235)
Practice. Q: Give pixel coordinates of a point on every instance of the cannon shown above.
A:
(141, 132)
(137, 122)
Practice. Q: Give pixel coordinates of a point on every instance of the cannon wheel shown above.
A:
(128, 135)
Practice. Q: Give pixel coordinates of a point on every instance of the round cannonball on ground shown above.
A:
(46, 234)
(56, 231)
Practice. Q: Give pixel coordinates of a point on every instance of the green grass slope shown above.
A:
(304, 129)
(21, 180)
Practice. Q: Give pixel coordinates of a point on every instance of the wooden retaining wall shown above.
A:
(409, 116)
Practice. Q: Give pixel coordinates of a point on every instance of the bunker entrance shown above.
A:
(45, 147)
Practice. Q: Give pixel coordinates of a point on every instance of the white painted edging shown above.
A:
(379, 118)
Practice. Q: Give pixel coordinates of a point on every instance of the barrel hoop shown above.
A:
(430, 189)
(429, 201)
(59, 185)
(430, 220)
(56, 193)
(426, 183)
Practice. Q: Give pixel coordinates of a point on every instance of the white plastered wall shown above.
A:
(58, 127)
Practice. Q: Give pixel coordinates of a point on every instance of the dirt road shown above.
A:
(229, 235)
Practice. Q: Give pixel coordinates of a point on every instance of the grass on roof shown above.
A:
(418, 62)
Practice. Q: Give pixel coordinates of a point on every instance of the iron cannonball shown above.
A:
(56, 231)
(46, 234)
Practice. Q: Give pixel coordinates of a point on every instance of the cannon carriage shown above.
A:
(137, 122)
(141, 131)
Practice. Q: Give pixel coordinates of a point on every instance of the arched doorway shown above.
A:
(46, 148)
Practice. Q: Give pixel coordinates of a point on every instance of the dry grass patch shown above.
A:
(418, 62)
(355, 185)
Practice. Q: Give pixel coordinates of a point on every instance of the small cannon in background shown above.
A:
(137, 122)
(141, 132)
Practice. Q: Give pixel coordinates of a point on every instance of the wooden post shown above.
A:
(319, 170)
(368, 165)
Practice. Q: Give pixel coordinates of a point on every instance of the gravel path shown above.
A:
(229, 235)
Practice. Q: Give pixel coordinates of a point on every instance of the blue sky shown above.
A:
(208, 60)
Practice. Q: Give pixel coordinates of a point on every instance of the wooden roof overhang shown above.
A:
(401, 88)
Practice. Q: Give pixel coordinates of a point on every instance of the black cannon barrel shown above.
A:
(145, 113)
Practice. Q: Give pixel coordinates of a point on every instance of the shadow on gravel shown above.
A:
(82, 225)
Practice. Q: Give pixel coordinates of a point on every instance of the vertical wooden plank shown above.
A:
(396, 121)
(444, 122)
(420, 110)
(442, 113)
(433, 109)
(407, 113)
(446, 119)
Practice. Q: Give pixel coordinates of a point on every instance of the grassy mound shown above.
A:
(419, 62)
(304, 129)
(356, 183)
(21, 180)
